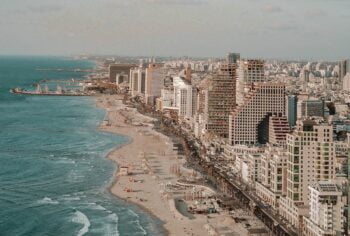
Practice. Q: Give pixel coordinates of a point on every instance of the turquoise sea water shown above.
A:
(53, 171)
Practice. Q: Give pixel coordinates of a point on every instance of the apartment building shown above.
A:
(311, 158)
(273, 181)
(326, 215)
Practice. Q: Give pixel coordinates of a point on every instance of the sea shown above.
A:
(54, 174)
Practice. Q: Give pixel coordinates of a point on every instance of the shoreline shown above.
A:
(148, 195)
(114, 179)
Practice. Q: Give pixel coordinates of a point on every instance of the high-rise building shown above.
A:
(185, 97)
(249, 72)
(305, 75)
(311, 158)
(346, 82)
(291, 110)
(248, 124)
(137, 81)
(273, 182)
(344, 67)
(155, 75)
(221, 100)
(233, 58)
(310, 107)
(326, 214)
(115, 69)
(188, 74)
(278, 130)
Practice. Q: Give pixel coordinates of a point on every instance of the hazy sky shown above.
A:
(310, 29)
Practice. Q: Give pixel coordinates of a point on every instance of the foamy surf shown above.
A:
(47, 200)
(133, 213)
(81, 218)
(138, 225)
(112, 228)
(95, 206)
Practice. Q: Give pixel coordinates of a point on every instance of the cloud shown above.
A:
(268, 8)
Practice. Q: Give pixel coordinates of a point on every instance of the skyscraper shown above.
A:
(344, 67)
(221, 100)
(233, 58)
(249, 122)
(185, 97)
(249, 72)
(137, 81)
(291, 111)
(155, 75)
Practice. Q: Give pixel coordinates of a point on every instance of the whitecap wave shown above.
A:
(81, 218)
(47, 200)
(95, 206)
(71, 198)
(138, 225)
(137, 222)
(112, 228)
(133, 213)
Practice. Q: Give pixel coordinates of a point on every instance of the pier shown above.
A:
(25, 92)
(46, 92)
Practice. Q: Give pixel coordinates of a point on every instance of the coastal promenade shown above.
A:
(148, 156)
(229, 184)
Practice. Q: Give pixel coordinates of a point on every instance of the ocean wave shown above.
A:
(81, 218)
(65, 161)
(133, 213)
(47, 200)
(137, 222)
(71, 198)
(138, 225)
(95, 206)
(112, 229)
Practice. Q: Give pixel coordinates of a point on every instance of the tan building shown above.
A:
(137, 81)
(155, 74)
(250, 71)
(248, 124)
(278, 130)
(311, 158)
(273, 181)
(326, 215)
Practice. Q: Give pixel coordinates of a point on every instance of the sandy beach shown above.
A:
(148, 156)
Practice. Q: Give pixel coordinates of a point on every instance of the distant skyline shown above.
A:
(288, 29)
